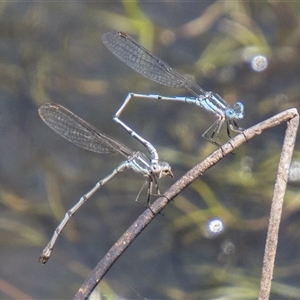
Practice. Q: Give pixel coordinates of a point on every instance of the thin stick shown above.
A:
(145, 218)
(276, 208)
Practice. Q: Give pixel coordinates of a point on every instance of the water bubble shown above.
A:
(294, 172)
(259, 63)
(214, 227)
(281, 99)
(228, 247)
(246, 165)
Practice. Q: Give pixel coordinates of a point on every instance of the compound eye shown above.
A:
(155, 168)
(230, 113)
(165, 172)
(239, 110)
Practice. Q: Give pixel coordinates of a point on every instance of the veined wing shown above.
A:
(78, 131)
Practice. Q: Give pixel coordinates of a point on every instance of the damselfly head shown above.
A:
(235, 112)
(239, 110)
(161, 169)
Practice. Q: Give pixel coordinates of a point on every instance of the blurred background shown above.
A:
(53, 52)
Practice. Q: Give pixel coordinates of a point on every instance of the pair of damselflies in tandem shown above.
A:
(84, 135)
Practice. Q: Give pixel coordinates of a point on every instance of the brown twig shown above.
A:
(145, 218)
(276, 208)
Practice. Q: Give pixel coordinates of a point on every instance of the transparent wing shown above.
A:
(142, 61)
(78, 131)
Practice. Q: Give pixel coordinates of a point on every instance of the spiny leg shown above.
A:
(137, 199)
(216, 126)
